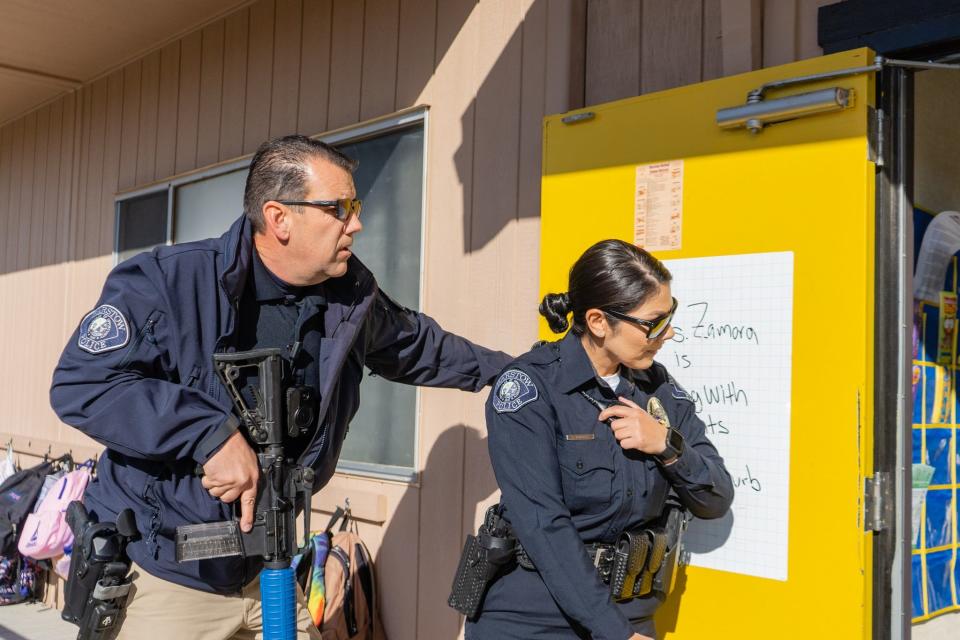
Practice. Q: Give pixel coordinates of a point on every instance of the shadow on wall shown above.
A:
(434, 584)
(488, 160)
(669, 611)
(499, 161)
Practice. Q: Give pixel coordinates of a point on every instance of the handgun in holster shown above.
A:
(674, 524)
(97, 588)
(484, 557)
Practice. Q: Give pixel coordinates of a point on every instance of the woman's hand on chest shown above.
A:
(634, 428)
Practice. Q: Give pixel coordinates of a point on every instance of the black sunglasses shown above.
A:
(655, 327)
(344, 207)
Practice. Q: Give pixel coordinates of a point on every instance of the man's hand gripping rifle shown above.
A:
(283, 486)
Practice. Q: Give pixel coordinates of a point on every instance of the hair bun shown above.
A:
(555, 307)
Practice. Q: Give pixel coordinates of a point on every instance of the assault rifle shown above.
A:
(282, 486)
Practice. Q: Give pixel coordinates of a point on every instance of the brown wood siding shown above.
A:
(613, 49)
(148, 120)
(27, 195)
(415, 53)
(16, 178)
(52, 204)
(112, 163)
(167, 110)
(211, 94)
(130, 126)
(378, 74)
(284, 103)
(236, 29)
(256, 123)
(315, 75)
(346, 63)
(35, 246)
(188, 106)
(488, 70)
(640, 46)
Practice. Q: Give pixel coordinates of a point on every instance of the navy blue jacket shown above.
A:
(561, 493)
(137, 376)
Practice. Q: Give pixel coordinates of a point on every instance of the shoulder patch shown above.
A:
(677, 391)
(514, 389)
(103, 329)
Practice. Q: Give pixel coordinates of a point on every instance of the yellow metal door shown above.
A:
(799, 196)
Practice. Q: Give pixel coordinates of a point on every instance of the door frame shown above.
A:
(893, 352)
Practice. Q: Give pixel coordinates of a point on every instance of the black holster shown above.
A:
(484, 557)
(95, 594)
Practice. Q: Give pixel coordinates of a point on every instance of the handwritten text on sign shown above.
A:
(732, 353)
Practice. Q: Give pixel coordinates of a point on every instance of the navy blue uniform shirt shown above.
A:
(560, 493)
(274, 313)
(137, 376)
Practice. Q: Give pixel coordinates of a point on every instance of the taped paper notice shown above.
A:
(658, 210)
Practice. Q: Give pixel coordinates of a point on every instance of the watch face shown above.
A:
(675, 441)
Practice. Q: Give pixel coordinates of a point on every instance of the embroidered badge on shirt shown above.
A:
(103, 329)
(514, 389)
(678, 392)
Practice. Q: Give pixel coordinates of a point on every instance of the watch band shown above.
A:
(674, 446)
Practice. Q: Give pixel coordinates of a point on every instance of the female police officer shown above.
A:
(578, 458)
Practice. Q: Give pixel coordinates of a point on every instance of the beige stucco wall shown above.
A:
(489, 71)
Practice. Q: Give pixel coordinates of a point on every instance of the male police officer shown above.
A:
(138, 377)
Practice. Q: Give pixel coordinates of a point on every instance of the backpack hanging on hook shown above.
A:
(339, 582)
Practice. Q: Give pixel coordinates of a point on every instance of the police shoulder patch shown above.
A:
(514, 389)
(677, 391)
(103, 329)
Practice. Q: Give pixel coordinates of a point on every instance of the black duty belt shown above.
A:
(630, 566)
(641, 561)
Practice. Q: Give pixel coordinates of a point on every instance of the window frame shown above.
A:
(356, 133)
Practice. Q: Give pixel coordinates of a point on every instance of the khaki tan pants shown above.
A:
(161, 609)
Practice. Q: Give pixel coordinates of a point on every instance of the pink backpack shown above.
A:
(45, 532)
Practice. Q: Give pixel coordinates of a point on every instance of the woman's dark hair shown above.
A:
(613, 275)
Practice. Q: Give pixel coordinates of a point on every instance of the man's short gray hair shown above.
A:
(278, 171)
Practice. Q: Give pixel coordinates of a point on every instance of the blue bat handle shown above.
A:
(279, 602)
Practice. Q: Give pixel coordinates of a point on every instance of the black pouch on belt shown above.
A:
(484, 556)
(629, 560)
(655, 558)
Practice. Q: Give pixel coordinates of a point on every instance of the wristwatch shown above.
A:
(674, 447)
(674, 444)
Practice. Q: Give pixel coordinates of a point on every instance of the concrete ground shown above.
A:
(945, 627)
(38, 622)
(34, 622)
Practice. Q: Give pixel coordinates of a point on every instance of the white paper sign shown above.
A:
(732, 353)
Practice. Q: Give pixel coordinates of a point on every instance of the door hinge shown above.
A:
(877, 135)
(878, 501)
